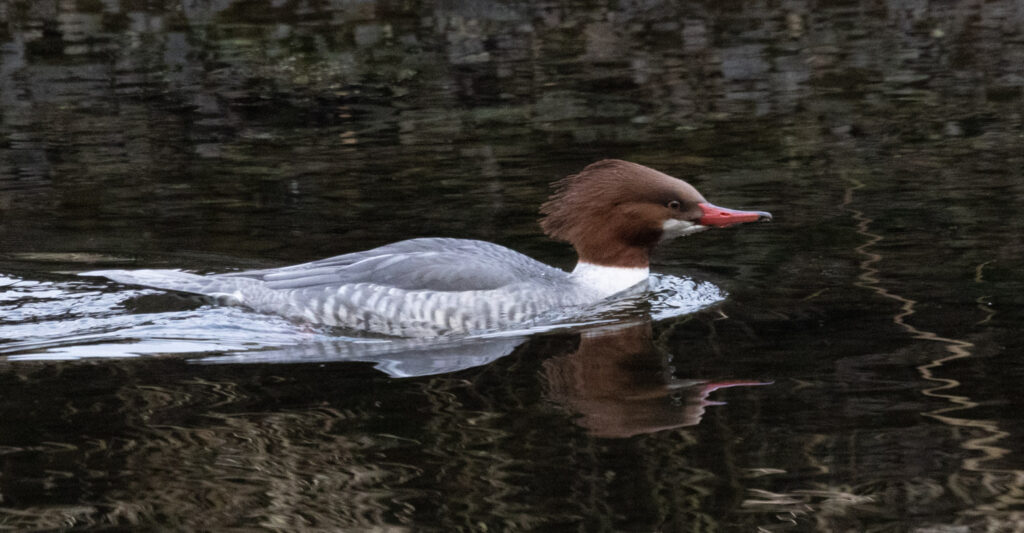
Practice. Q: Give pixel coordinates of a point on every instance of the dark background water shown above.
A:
(871, 333)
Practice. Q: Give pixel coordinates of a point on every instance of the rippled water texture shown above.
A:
(853, 366)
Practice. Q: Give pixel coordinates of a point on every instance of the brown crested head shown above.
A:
(614, 212)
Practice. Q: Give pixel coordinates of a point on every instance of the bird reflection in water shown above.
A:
(620, 384)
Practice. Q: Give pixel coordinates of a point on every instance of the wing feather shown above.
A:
(416, 264)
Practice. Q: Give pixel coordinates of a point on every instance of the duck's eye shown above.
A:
(674, 204)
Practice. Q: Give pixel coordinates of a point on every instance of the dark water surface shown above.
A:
(863, 372)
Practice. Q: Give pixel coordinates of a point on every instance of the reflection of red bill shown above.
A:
(708, 388)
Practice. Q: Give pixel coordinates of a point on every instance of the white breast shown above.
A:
(607, 280)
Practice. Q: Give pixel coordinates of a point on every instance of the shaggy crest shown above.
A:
(612, 210)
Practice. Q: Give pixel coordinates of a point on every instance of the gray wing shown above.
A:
(416, 264)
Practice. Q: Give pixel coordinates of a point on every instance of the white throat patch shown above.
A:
(673, 227)
(608, 280)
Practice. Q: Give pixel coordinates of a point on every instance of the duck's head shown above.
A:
(615, 212)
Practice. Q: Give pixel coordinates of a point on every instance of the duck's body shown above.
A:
(613, 212)
(413, 288)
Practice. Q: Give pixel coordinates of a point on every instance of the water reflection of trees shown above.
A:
(213, 114)
(166, 444)
(230, 82)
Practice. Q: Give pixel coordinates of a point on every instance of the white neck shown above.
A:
(607, 280)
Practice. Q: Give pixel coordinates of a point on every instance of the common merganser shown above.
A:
(613, 213)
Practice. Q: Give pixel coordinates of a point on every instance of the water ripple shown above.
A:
(67, 320)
